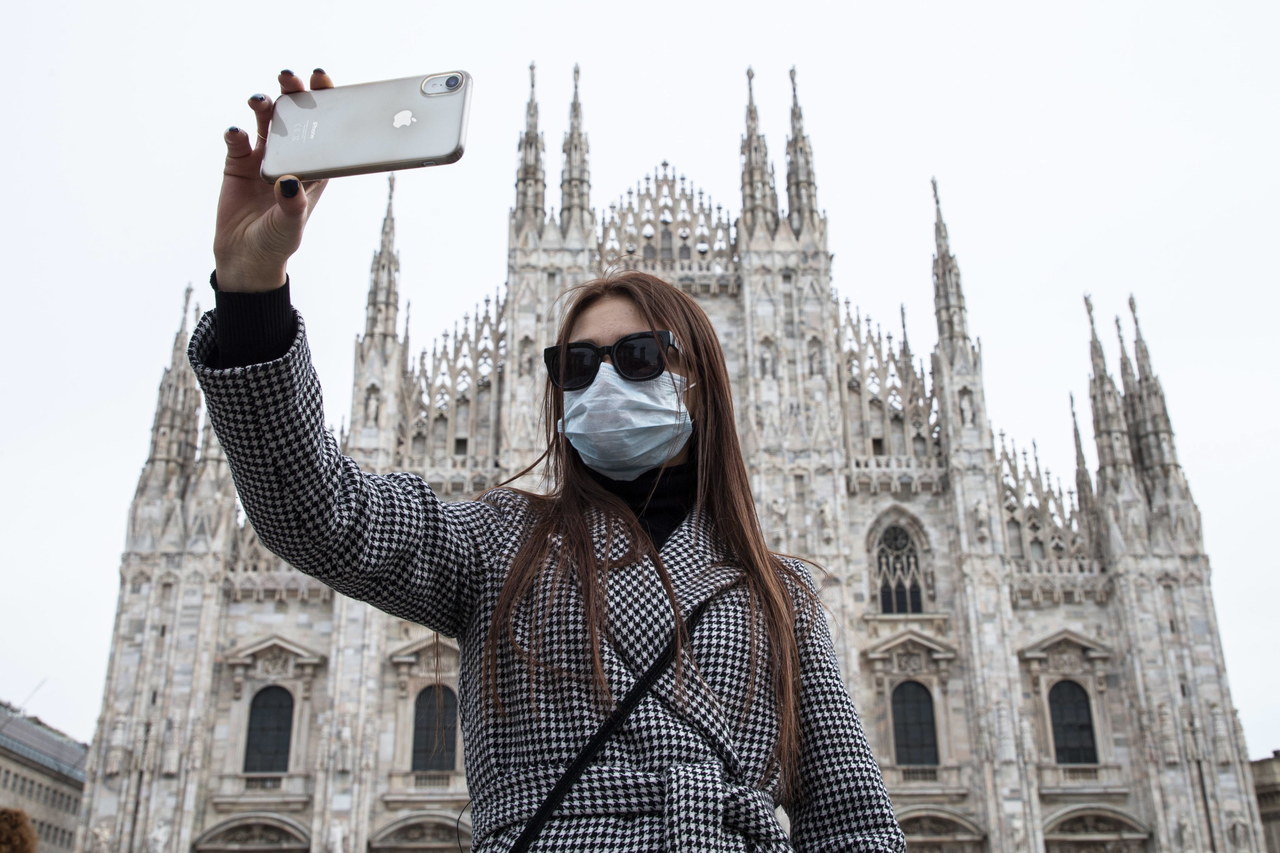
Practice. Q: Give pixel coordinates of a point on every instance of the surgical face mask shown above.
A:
(622, 428)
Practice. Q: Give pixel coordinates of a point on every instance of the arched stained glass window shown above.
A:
(914, 739)
(1072, 724)
(898, 572)
(266, 748)
(435, 729)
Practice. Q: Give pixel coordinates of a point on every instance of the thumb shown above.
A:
(291, 198)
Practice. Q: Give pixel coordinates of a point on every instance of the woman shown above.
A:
(561, 602)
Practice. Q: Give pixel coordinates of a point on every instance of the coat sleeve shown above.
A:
(840, 802)
(384, 539)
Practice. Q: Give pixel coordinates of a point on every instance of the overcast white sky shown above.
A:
(1094, 147)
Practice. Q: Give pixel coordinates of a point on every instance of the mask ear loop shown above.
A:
(684, 404)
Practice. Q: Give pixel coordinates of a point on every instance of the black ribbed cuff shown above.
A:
(253, 328)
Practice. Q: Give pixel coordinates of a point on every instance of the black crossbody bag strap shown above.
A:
(628, 704)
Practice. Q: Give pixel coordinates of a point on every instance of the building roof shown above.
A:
(35, 741)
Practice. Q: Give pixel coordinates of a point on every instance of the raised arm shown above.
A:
(386, 539)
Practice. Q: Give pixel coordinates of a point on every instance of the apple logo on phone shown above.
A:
(404, 118)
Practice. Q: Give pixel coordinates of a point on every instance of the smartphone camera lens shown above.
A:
(443, 84)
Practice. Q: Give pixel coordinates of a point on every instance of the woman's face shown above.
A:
(611, 317)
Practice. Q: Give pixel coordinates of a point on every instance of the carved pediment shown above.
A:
(274, 659)
(1065, 647)
(1066, 654)
(911, 653)
(914, 640)
(429, 657)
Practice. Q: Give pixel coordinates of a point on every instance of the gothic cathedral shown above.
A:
(1037, 671)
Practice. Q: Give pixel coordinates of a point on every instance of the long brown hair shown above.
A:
(560, 547)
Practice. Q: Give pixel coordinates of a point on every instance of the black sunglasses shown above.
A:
(637, 357)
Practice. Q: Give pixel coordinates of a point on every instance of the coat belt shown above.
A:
(701, 809)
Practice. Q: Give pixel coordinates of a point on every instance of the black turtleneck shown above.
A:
(660, 498)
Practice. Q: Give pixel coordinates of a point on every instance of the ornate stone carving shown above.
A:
(117, 754)
(170, 755)
(275, 663)
(342, 761)
(421, 833)
(255, 834)
(1168, 735)
(100, 838)
(274, 660)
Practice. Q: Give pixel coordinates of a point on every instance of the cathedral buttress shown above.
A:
(1198, 778)
(1086, 500)
(144, 728)
(577, 219)
(530, 211)
(802, 184)
(1122, 503)
(1175, 518)
(543, 259)
(983, 609)
(155, 519)
(382, 386)
(759, 195)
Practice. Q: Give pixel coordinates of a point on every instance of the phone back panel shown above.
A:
(368, 127)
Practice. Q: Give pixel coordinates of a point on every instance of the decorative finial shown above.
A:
(750, 76)
(186, 306)
(1088, 306)
(391, 185)
(934, 181)
(1133, 309)
(531, 67)
(794, 96)
(575, 81)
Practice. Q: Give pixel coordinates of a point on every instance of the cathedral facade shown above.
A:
(1036, 670)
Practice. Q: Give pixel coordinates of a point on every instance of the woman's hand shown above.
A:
(259, 224)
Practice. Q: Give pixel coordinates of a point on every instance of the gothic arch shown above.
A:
(255, 832)
(1079, 829)
(902, 517)
(425, 830)
(899, 569)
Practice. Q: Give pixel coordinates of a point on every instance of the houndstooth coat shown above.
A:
(689, 768)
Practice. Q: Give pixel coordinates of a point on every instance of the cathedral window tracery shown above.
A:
(898, 572)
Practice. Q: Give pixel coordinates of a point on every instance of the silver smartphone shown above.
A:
(369, 127)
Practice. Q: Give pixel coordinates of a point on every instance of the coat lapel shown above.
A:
(640, 624)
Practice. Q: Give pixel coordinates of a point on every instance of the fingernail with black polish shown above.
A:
(289, 188)
(258, 97)
(233, 129)
(318, 71)
(286, 73)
